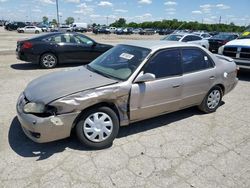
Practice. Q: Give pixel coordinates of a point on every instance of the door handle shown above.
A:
(212, 77)
(175, 86)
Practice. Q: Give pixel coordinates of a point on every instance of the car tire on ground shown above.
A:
(36, 31)
(98, 127)
(212, 100)
(48, 61)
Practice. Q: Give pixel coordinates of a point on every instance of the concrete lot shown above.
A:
(182, 149)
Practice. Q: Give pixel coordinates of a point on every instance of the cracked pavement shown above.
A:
(181, 149)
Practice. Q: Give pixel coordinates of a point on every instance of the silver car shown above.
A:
(128, 83)
(189, 38)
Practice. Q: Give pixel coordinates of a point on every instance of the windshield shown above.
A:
(173, 37)
(119, 62)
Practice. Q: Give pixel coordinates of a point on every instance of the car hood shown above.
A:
(239, 42)
(59, 84)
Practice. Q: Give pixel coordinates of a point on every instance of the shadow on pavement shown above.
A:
(33, 66)
(24, 147)
(159, 121)
(244, 75)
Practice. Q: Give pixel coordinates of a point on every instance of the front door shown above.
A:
(162, 95)
(85, 48)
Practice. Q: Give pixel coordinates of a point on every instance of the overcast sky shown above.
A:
(90, 11)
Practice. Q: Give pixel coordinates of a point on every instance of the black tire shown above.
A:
(81, 125)
(205, 107)
(51, 61)
(36, 31)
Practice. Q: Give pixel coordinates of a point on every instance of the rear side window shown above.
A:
(196, 38)
(165, 63)
(195, 60)
(65, 38)
(187, 38)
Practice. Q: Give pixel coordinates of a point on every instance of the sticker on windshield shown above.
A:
(126, 56)
(205, 58)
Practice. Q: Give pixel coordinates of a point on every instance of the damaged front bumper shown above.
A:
(45, 129)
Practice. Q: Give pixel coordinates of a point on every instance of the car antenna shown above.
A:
(178, 28)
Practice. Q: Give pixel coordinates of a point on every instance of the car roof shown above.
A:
(183, 34)
(157, 44)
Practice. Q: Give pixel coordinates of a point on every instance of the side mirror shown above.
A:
(145, 78)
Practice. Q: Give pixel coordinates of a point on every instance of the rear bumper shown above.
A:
(231, 86)
(27, 57)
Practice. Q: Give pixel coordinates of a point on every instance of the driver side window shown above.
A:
(83, 40)
(165, 63)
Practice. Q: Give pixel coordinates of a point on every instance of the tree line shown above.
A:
(176, 24)
(166, 24)
(68, 21)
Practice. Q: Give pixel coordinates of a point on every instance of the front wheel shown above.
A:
(212, 100)
(48, 61)
(36, 31)
(98, 127)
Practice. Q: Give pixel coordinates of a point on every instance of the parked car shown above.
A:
(239, 50)
(203, 35)
(51, 49)
(213, 33)
(29, 29)
(101, 30)
(44, 27)
(14, 25)
(147, 32)
(218, 40)
(2, 23)
(190, 38)
(124, 31)
(79, 27)
(165, 31)
(137, 31)
(129, 83)
(64, 28)
(119, 31)
(112, 29)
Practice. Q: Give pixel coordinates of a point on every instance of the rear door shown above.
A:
(162, 95)
(198, 76)
(65, 47)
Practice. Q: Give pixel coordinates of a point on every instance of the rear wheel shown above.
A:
(98, 127)
(36, 31)
(212, 100)
(48, 61)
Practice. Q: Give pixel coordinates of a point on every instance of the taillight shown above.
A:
(27, 45)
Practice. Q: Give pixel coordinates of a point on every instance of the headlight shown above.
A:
(34, 108)
(220, 50)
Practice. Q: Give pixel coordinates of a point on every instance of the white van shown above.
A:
(79, 27)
